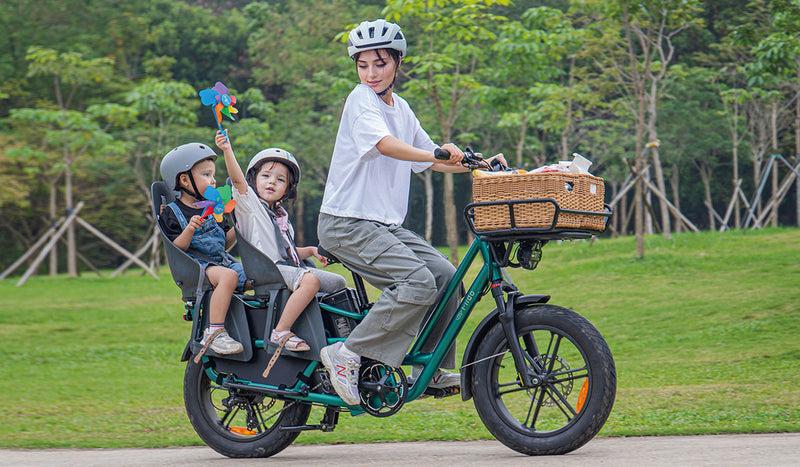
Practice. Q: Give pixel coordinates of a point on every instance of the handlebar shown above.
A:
(471, 160)
(441, 154)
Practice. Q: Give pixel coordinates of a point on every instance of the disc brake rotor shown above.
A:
(564, 386)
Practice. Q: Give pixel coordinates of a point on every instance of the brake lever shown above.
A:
(472, 160)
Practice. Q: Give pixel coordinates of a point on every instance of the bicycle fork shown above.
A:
(506, 317)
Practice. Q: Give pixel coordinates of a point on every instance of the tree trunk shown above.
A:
(638, 197)
(774, 128)
(624, 213)
(299, 224)
(543, 155)
(705, 176)
(737, 220)
(675, 184)
(521, 140)
(54, 250)
(797, 139)
(653, 145)
(797, 198)
(565, 152)
(72, 262)
(427, 178)
(774, 215)
(615, 218)
(450, 218)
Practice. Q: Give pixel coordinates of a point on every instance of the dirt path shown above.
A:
(780, 449)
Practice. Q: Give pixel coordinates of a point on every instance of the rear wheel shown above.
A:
(238, 423)
(574, 382)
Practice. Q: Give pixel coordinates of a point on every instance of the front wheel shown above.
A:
(574, 382)
(238, 423)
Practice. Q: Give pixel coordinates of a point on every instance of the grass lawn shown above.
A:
(704, 331)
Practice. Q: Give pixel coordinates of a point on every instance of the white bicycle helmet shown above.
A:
(378, 34)
(278, 155)
(182, 159)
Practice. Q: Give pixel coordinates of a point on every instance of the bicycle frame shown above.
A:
(490, 272)
(489, 276)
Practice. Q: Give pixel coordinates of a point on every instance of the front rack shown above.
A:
(550, 232)
(522, 246)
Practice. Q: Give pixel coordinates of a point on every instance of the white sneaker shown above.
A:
(343, 372)
(440, 380)
(223, 344)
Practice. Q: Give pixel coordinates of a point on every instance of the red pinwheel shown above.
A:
(217, 202)
(221, 100)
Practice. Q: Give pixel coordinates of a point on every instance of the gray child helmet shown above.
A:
(378, 34)
(277, 155)
(182, 159)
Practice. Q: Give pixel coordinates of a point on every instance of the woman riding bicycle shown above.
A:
(379, 143)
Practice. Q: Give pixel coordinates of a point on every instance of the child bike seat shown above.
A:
(186, 271)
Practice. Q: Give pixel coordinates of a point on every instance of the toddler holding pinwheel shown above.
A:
(189, 223)
(260, 192)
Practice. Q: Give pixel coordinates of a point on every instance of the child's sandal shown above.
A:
(292, 342)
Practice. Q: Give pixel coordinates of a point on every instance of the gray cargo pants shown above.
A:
(409, 272)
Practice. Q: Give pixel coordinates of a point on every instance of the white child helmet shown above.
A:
(277, 155)
(378, 34)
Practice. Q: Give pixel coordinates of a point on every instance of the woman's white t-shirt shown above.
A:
(362, 182)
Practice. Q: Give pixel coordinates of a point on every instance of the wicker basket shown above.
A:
(573, 192)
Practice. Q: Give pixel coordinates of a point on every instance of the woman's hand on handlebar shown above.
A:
(456, 154)
(497, 159)
(472, 160)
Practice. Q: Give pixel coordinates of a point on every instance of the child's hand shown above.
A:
(196, 222)
(222, 141)
(320, 258)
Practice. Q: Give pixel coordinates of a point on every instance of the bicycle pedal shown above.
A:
(439, 393)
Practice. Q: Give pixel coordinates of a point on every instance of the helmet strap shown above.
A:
(196, 193)
(383, 93)
(396, 71)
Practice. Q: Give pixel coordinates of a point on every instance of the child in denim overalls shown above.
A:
(190, 169)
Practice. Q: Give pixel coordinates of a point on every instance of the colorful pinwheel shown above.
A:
(218, 202)
(221, 100)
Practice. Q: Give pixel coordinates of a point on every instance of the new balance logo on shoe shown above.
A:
(343, 371)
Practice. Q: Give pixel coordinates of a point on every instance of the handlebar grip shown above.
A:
(441, 154)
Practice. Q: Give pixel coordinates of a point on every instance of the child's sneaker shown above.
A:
(223, 344)
(343, 372)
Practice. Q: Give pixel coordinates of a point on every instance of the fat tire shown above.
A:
(206, 422)
(601, 376)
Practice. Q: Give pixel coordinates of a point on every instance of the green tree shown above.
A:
(775, 47)
(68, 133)
(634, 47)
(529, 77)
